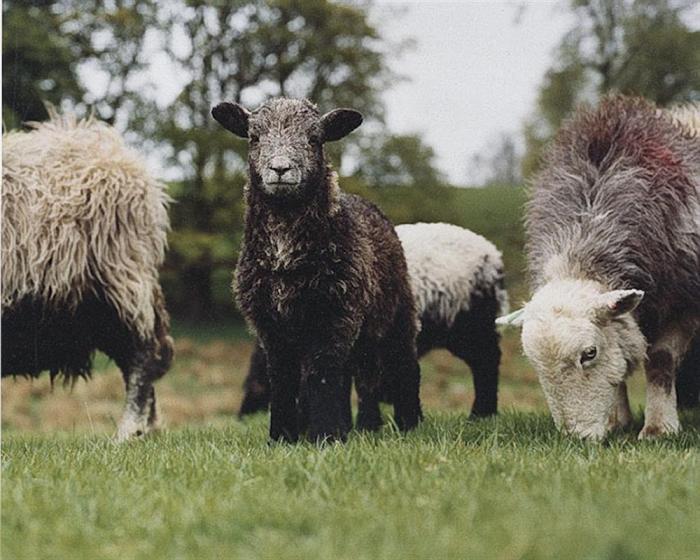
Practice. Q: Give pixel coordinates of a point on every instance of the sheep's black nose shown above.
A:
(280, 169)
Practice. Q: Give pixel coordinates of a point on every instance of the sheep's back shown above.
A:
(378, 262)
(448, 266)
(618, 201)
(80, 213)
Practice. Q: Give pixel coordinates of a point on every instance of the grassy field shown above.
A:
(505, 488)
(209, 486)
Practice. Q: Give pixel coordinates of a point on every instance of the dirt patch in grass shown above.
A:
(204, 388)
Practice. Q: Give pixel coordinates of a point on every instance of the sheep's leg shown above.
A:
(139, 415)
(688, 378)
(346, 404)
(256, 387)
(664, 356)
(283, 371)
(326, 392)
(325, 376)
(144, 363)
(303, 410)
(622, 415)
(367, 384)
(400, 365)
(480, 350)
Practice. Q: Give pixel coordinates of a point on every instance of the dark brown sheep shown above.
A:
(321, 277)
(457, 283)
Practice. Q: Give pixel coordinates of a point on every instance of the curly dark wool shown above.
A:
(321, 277)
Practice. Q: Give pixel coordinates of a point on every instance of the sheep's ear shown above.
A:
(339, 123)
(232, 117)
(618, 302)
(514, 319)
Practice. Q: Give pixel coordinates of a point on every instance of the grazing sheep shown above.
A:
(457, 282)
(321, 276)
(613, 241)
(83, 233)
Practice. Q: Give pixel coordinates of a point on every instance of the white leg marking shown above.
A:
(135, 421)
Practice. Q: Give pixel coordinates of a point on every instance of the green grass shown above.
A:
(511, 487)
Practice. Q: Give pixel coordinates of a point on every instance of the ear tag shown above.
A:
(513, 318)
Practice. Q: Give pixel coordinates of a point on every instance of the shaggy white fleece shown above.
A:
(448, 265)
(688, 115)
(81, 212)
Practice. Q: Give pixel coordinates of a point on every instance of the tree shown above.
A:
(640, 47)
(498, 164)
(38, 62)
(111, 39)
(397, 160)
(49, 45)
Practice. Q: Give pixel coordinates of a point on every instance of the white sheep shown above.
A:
(84, 230)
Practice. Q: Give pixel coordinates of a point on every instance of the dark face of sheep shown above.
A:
(286, 137)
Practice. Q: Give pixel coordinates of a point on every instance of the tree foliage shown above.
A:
(38, 62)
(397, 160)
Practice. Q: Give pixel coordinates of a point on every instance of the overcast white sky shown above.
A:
(474, 71)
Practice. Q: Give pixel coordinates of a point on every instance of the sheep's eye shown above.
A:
(314, 140)
(253, 138)
(588, 354)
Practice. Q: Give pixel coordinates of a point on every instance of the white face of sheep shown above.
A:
(583, 343)
(286, 138)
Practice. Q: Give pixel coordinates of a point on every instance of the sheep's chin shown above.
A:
(281, 188)
(592, 428)
(590, 433)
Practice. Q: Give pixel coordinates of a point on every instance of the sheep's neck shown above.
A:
(289, 236)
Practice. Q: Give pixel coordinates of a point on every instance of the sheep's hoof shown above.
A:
(130, 429)
(654, 431)
(369, 424)
(122, 437)
(407, 422)
(479, 414)
(282, 437)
